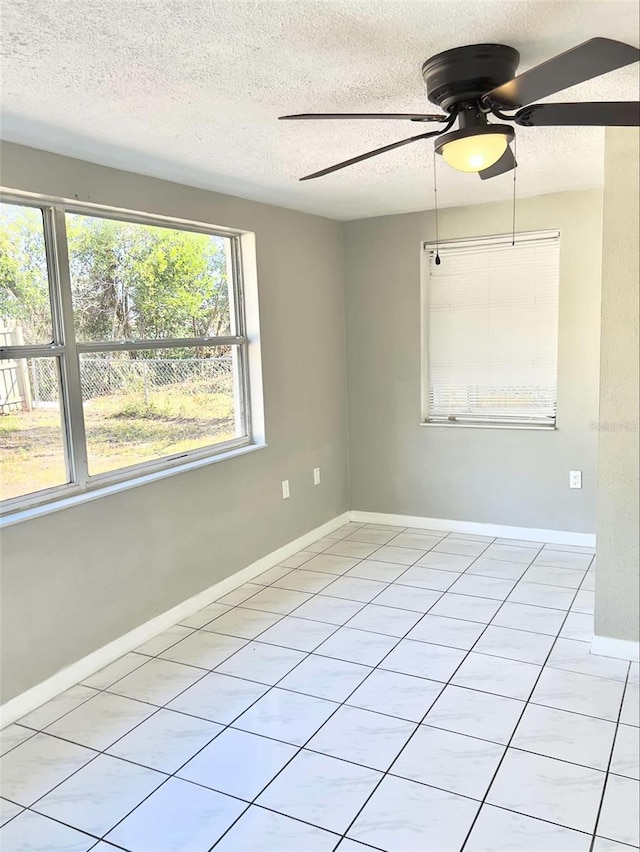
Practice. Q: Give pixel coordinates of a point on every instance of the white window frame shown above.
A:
(490, 422)
(67, 350)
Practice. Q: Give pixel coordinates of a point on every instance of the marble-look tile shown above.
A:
(12, 736)
(354, 589)
(204, 616)
(8, 810)
(535, 619)
(260, 830)
(164, 640)
(428, 578)
(35, 766)
(483, 587)
(436, 662)
(564, 559)
(510, 553)
(537, 594)
(369, 739)
(354, 549)
(514, 644)
(371, 536)
(631, 706)
(101, 721)
(347, 845)
(298, 559)
(575, 656)
(634, 674)
(297, 633)
(272, 574)
(107, 676)
(439, 534)
(497, 830)
(460, 546)
(416, 541)
(447, 631)
(403, 696)
(399, 555)
(565, 736)
(592, 696)
(328, 610)
(445, 561)
(304, 580)
(357, 646)
(279, 601)
(178, 816)
(620, 815)
(218, 698)
(31, 832)
(487, 539)
(509, 678)
(584, 602)
(100, 794)
(320, 790)
(238, 763)
(66, 701)
(552, 576)
(261, 663)
(331, 564)
(325, 677)
(478, 714)
(408, 597)
(578, 626)
(589, 582)
(603, 844)
(548, 789)
(203, 649)
(287, 716)
(466, 607)
(452, 762)
(165, 741)
(569, 548)
(496, 568)
(626, 752)
(518, 542)
(242, 623)
(157, 682)
(384, 619)
(321, 544)
(403, 816)
(374, 569)
(239, 595)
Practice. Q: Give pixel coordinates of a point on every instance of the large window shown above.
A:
(490, 331)
(122, 348)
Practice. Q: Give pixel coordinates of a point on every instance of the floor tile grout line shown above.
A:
(508, 745)
(608, 769)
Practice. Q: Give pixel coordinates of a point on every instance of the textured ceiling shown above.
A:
(189, 90)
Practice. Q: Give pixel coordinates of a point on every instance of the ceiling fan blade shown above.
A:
(506, 163)
(584, 62)
(608, 114)
(407, 116)
(366, 156)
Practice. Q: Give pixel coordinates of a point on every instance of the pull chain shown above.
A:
(515, 172)
(435, 198)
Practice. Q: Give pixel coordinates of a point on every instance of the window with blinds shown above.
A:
(490, 330)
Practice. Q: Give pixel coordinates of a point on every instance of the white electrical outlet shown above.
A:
(285, 489)
(575, 479)
(316, 476)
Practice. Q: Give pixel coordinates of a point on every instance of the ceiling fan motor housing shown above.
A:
(464, 74)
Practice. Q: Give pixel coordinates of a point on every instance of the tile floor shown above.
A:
(389, 689)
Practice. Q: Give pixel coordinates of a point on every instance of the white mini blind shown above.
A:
(492, 330)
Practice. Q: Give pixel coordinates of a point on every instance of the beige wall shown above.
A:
(500, 476)
(617, 584)
(76, 579)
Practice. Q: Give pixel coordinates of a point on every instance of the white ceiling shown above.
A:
(189, 90)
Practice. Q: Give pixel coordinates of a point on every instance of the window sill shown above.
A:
(531, 427)
(100, 490)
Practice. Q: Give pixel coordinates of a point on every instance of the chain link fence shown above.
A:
(109, 377)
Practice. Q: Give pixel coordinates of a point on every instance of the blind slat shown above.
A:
(492, 329)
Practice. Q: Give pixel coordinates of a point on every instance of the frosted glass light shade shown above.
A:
(475, 153)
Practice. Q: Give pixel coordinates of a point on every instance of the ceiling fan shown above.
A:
(477, 81)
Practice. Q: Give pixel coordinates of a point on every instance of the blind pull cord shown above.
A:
(515, 172)
(435, 198)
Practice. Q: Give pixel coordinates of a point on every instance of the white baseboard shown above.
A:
(81, 669)
(495, 530)
(621, 649)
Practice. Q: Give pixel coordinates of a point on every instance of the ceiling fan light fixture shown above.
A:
(474, 149)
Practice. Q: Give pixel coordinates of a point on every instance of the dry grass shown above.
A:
(122, 430)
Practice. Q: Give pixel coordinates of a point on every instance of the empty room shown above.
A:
(319, 388)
